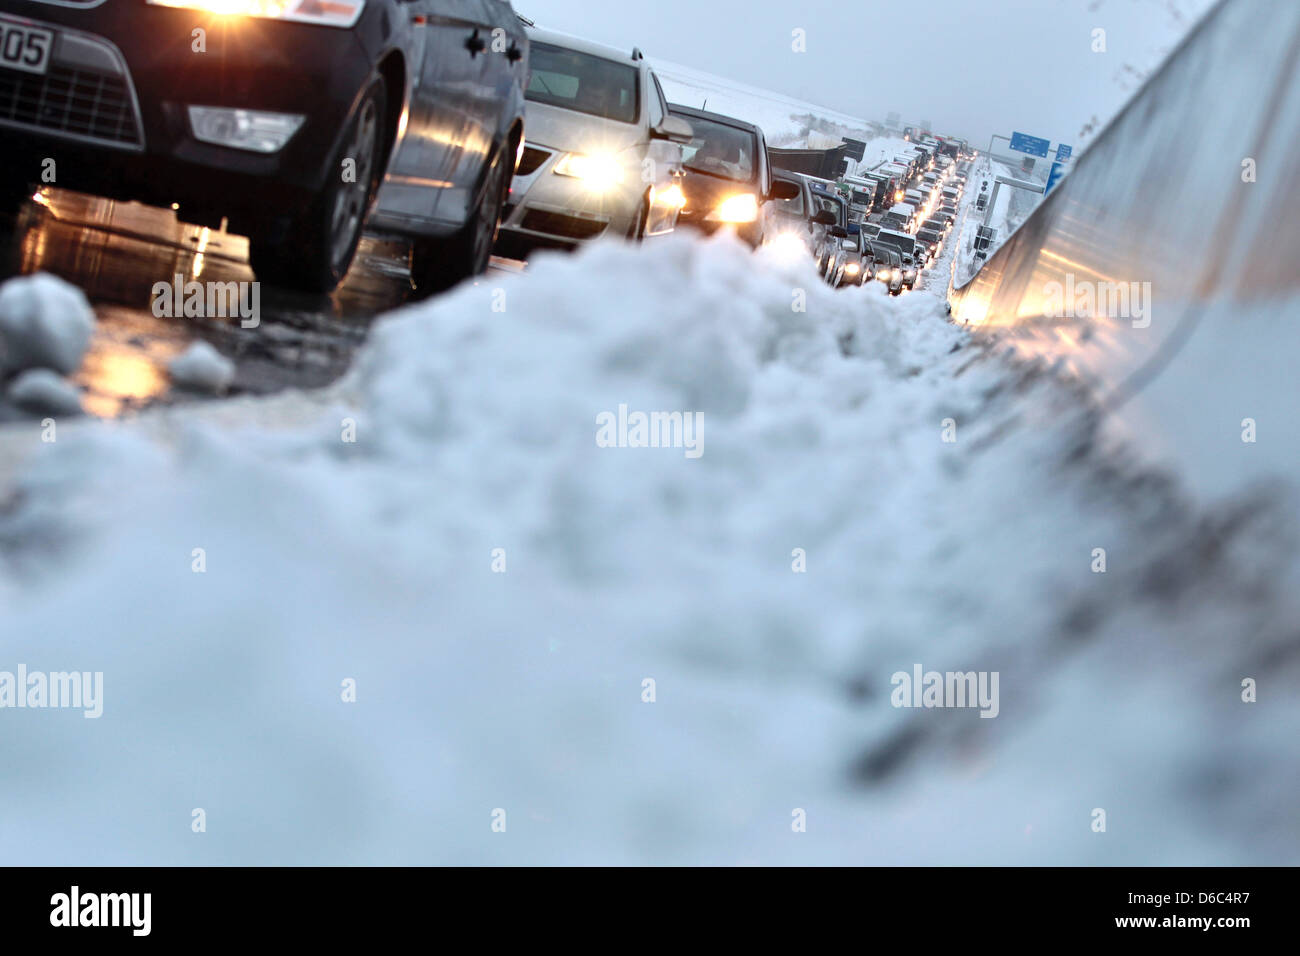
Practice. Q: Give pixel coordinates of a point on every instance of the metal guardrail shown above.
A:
(1188, 206)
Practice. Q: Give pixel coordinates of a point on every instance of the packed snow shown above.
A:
(202, 368)
(44, 323)
(39, 390)
(447, 533)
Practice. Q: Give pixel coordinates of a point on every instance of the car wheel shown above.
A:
(439, 263)
(13, 196)
(315, 253)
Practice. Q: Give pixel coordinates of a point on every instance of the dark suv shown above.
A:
(285, 118)
(728, 181)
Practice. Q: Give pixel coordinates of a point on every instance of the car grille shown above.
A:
(531, 161)
(72, 102)
(558, 224)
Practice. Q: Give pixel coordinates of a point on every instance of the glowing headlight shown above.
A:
(330, 13)
(597, 172)
(672, 197)
(883, 275)
(852, 269)
(896, 274)
(742, 207)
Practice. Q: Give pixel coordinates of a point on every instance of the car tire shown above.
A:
(438, 263)
(13, 197)
(314, 254)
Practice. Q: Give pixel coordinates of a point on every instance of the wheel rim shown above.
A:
(350, 201)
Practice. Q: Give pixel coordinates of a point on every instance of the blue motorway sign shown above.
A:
(1054, 176)
(1023, 143)
(1063, 152)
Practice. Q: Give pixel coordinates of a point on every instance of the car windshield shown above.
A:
(904, 244)
(583, 83)
(830, 205)
(886, 254)
(720, 150)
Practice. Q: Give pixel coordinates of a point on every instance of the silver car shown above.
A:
(603, 157)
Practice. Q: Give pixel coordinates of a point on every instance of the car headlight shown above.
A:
(597, 172)
(672, 197)
(254, 130)
(329, 13)
(896, 274)
(852, 269)
(742, 207)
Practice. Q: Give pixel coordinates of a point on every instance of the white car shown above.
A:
(602, 156)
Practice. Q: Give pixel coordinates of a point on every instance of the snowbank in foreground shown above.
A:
(371, 560)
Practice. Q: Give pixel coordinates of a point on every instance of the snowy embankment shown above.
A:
(1013, 207)
(785, 120)
(523, 689)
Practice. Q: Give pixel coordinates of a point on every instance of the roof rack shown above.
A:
(526, 21)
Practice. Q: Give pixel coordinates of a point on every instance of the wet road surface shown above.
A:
(116, 253)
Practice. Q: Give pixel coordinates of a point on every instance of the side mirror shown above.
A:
(825, 217)
(674, 129)
(783, 189)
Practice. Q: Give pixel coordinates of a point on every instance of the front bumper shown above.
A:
(748, 232)
(112, 110)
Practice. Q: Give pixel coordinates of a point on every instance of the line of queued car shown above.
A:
(456, 126)
(901, 231)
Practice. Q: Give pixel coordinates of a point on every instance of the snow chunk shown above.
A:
(40, 390)
(203, 368)
(44, 323)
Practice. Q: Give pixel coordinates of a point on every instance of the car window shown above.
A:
(583, 83)
(717, 149)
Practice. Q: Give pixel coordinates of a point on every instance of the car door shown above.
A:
(492, 34)
(442, 124)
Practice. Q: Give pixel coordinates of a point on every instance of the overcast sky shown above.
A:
(970, 67)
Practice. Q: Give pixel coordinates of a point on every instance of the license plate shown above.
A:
(24, 47)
